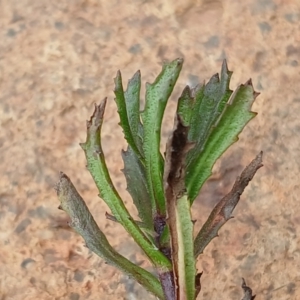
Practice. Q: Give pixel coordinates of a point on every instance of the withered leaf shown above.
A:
(247, 291)
(178, 212)
(223, 210)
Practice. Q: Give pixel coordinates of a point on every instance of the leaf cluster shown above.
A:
(209, 118)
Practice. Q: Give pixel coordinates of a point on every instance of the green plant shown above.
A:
(208, 120)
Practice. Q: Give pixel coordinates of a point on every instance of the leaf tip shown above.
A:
(58, 185)
(249, 83)
(179, 61)
(97, 116)
(118, 77)
(259, 160)
(137, 74)
(225, 69)
(225, 65)
(247, 291)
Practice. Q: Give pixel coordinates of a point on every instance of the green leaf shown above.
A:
(210, 101)
(157, 95)
(224, 133)
(185, 106)
(186, 261)
(135, 175)
(128, 104)
(98, 169)
(83, 223)
(223, 210)
(132, 98)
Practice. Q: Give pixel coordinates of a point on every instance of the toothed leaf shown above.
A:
(223, 210)
(128, 104)
(83, 223)
(157, 95)
(222, 134)
(97, 166)
(135, 175)
(185, 105)
(210, 100)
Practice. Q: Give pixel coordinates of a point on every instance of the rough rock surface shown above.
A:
(57, 58)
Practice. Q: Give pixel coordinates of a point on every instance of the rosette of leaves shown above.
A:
(163, 187)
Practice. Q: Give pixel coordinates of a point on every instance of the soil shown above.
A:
(58, 58)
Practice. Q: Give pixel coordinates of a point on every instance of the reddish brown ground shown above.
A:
(59, 57)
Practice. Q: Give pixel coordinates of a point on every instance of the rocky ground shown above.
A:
(57, 58)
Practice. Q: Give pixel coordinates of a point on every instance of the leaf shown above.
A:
(132, 98)
(223, 210)
(135, 175)
(185, 106)
(129, 110)
(210, 101)
(83, 223)
(176, 150)
(167, 281)
(186, 261)
(178, 212)
(247, 291)
(223, 134)
(157, 95)
(148, 232)
(98, 169)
